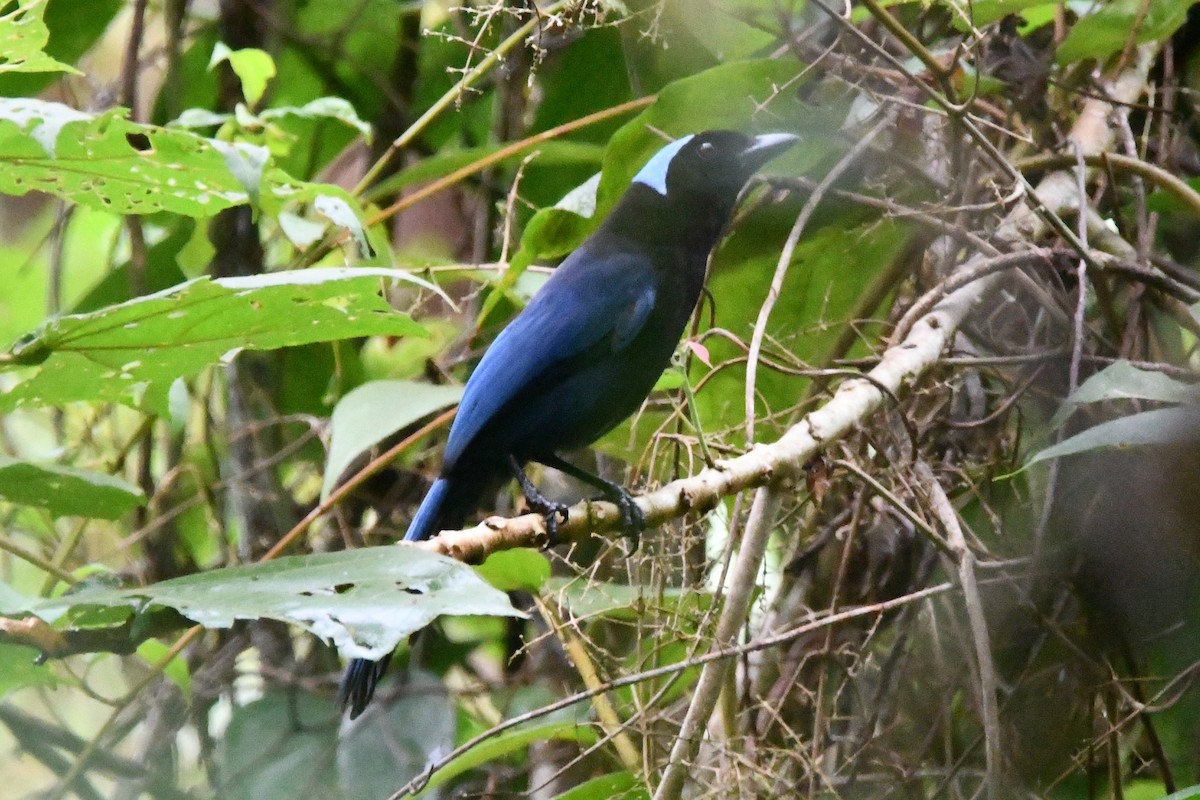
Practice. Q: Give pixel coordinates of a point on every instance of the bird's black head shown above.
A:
(710, 167)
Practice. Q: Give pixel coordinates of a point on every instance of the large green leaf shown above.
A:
(588, 599)
(365, 601)
(109, 162)
(66, 492)
(129, 353)
(511, 742)
(19, 668)
(373, 412)
(1115, 23)
(830, 271)
(519, 568)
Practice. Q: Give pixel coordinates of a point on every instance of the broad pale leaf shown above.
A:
(111, 163)
(1115, 23)
(365, 601)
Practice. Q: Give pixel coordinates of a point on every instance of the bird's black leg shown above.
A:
(632, 518)
(538, 502)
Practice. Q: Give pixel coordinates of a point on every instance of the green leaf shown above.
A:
(71, 35)
(1144, 789)
(152, 651)
(519, 568)
(253, 67)
(64, 491)
(23, 39)
(510, 742)
(19, 668)
(1185, 794)
(279, 747)
(365, 601)
(373, 412)
(985, 12)
(613, 786)
(110, 163)
(1107, 31)
(819, 296)
(394, 742)
(1162, 426)
(622, 601)
(131, 352)
(1121, 380)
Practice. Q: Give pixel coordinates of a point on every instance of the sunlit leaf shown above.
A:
(23, 39)
(19, 668)
(129, 353)
(621, 785)
(253, 67)
(622, 601)
(512, 742)
(519, 568)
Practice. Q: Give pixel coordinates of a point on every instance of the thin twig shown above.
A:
(964, 561)
(785, 261)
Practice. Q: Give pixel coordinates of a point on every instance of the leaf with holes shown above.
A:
(365, 601)
(23, 40)
(111, 163)
(131, 352)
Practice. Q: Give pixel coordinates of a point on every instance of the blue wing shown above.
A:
(588, 298)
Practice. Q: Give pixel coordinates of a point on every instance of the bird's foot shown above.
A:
(552, 512)
(633, 520)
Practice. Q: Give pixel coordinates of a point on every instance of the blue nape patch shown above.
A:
(654, 174)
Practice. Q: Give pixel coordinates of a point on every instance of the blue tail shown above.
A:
(445, 506)
(428, 519)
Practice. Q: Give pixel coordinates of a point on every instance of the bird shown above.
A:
(588, 348)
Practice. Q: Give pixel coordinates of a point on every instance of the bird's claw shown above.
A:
(551, 512)
(633, 520)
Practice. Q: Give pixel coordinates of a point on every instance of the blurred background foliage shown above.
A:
(197, 355)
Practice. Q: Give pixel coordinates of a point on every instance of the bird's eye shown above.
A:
(707, 151)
